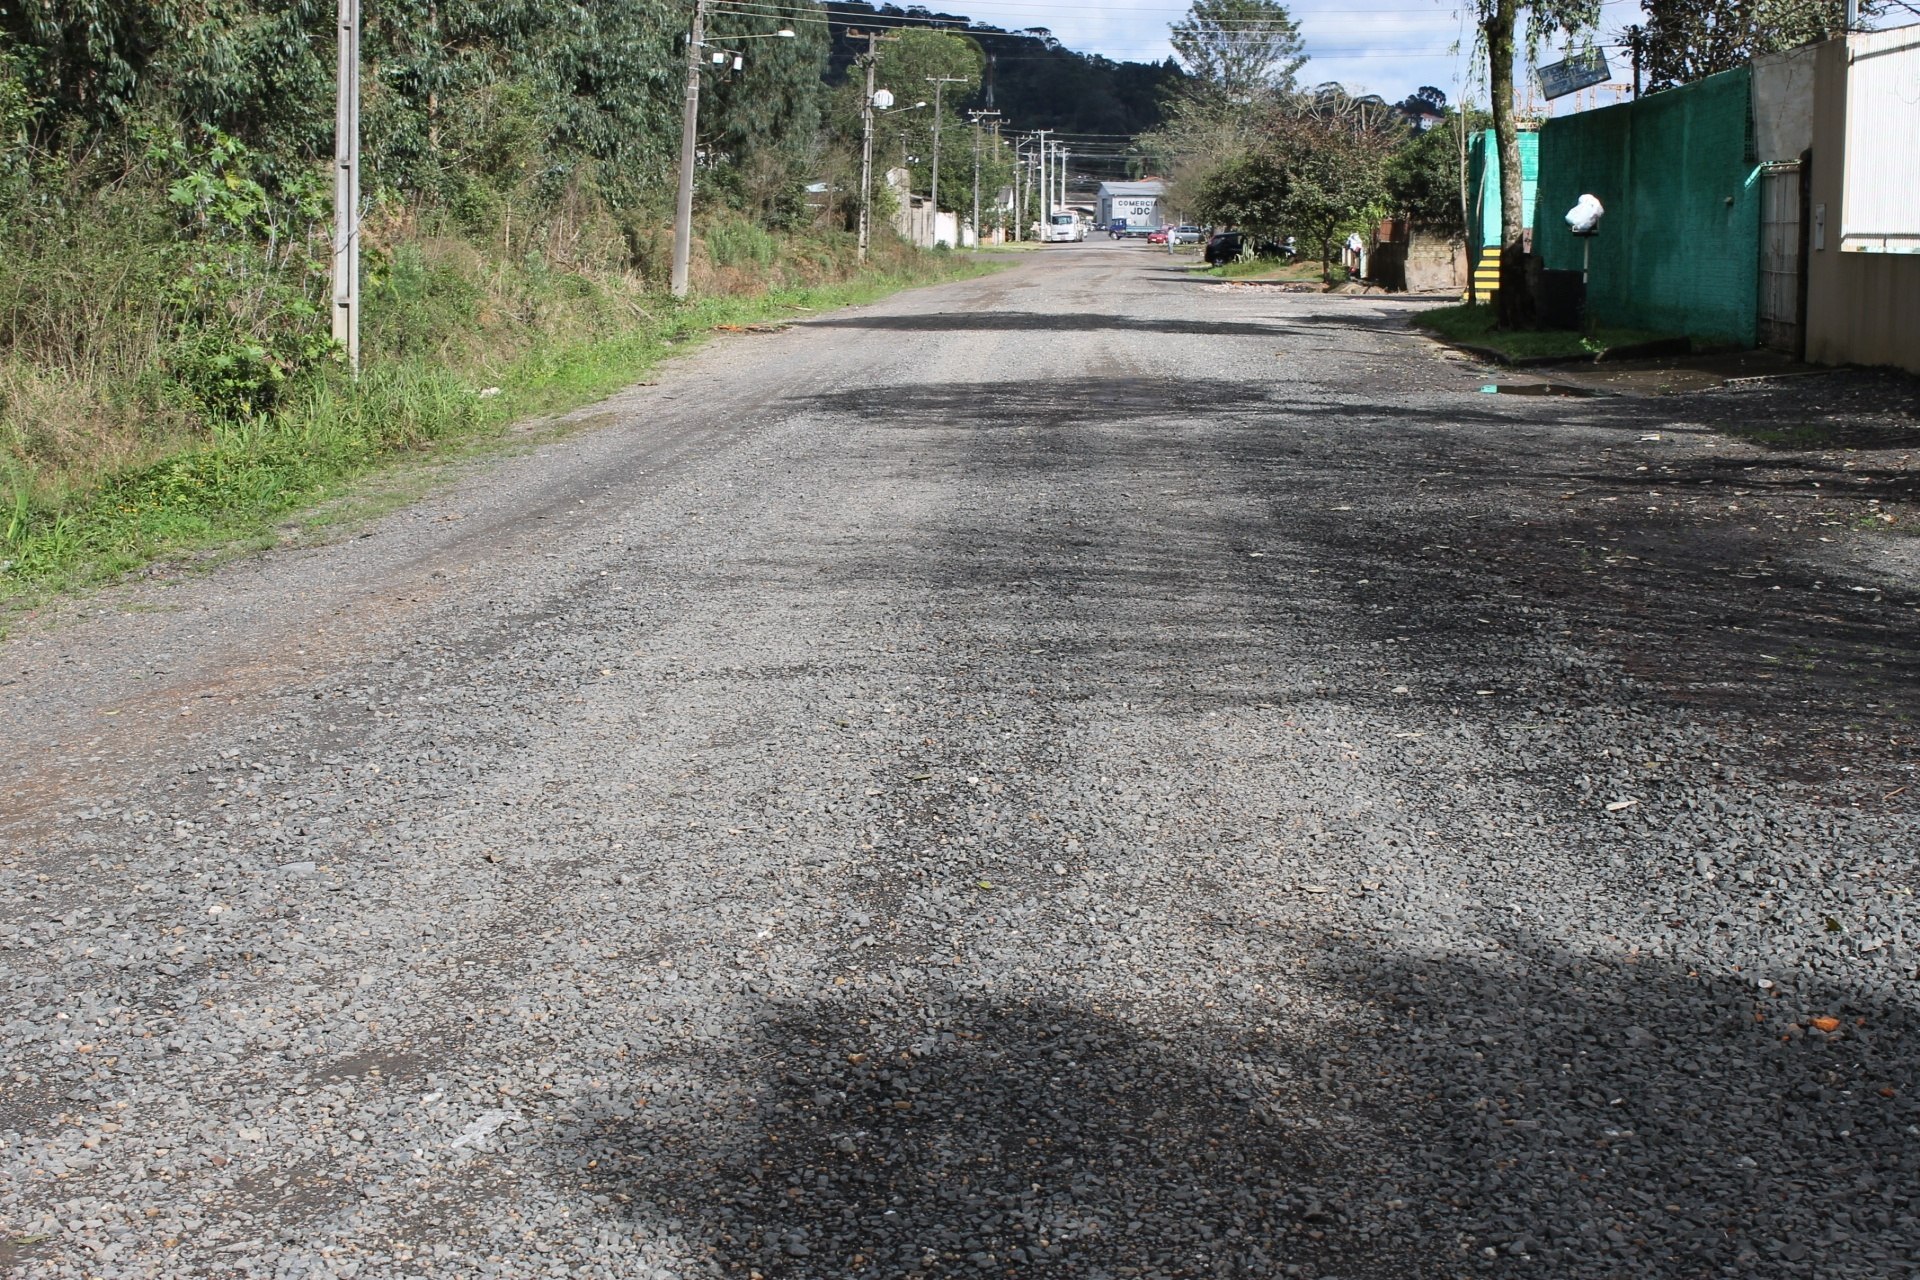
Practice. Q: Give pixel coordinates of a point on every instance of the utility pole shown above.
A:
(1061, 157)
(977, 117)
(346, 188)
(1046, 185)
(1019, 209)
(939, 84)
(689, 132)
(871, 58)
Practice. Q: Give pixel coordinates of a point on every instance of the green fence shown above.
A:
(1483, 183)
(1679, 247)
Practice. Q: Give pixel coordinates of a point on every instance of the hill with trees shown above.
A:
(1033, 80)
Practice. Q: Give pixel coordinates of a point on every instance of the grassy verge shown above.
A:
(330, 435)
(1472, 324)
(1267, 269)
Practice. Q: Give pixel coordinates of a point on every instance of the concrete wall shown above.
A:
(1418, 261)
(1783, 104)
(1679, 247)
(1862, 308)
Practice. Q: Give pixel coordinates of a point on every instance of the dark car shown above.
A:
(1230, 246)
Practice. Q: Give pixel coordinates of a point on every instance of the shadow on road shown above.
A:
(987, 1136)
(1669, 1125)
(1053, 322)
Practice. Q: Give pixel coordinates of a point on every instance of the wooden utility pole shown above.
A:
(346, 188)
(689, 134)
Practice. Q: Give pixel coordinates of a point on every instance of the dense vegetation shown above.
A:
(166, 369)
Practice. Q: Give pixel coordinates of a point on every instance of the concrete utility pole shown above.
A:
(1046, 184)
(871, 58)
(977, 117)
(939, 84)
(1061, 157)
(689, 132)
(346, 188)
(1019, 206)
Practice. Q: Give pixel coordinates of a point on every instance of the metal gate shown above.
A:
(1780, 257)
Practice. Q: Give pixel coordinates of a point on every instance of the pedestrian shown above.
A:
(1354, 250)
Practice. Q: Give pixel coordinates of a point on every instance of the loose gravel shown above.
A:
(1077, 773)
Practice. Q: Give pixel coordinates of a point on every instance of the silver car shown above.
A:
(1186, 233)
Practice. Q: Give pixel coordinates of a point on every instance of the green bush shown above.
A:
(735, 242)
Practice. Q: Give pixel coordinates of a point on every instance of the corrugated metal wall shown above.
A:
(1679, 249)
(1880, 211)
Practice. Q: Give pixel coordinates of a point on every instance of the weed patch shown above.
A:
(1472, 324)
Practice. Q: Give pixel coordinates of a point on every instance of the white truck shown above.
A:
(1063, 228)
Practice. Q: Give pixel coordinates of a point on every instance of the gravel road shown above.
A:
(1077, 773)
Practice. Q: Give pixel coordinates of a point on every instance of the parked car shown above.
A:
(1186, 233)
(1158, 236)
(1230, 246)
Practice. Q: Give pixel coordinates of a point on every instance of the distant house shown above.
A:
(1138, 204)
(919, 223)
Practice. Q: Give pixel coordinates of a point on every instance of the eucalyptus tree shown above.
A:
(762, 125)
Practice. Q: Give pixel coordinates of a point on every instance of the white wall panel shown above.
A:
(1880, 208)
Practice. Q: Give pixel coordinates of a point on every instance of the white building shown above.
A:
(1138, 204)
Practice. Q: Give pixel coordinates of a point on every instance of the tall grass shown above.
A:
(109, 457)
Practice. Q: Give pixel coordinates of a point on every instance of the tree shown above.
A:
(1314, 173)
(1423, 180)
(907, 64)
(1423, 107)
(1499, 22)
(763, 122)
(1240, 48)
(1688, 40)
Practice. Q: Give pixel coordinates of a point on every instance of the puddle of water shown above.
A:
(1534, 389)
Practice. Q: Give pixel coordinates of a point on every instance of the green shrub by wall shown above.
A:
(1679, 248)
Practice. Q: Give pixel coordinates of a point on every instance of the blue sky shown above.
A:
(1389, 47)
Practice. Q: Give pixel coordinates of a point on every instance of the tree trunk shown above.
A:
(1515, 304)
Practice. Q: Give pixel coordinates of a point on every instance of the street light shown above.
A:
(689, 133)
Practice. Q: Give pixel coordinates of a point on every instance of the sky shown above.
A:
(1388, 47)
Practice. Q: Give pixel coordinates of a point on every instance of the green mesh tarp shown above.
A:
(1679, 248)
(1483, 182)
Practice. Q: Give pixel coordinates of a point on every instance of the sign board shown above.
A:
(1138, 209)
(1574, 73)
